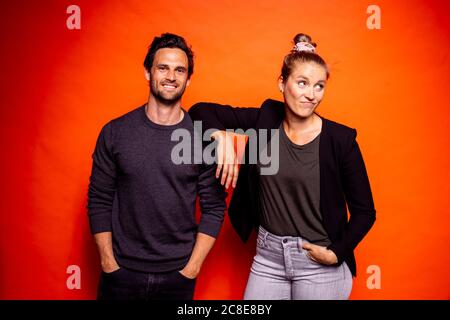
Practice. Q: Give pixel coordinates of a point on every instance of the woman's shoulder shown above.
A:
(204, 104)
(338, 130)
(343, 136)
(272, 104)
(272, 110)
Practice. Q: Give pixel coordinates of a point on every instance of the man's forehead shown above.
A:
(170, 56)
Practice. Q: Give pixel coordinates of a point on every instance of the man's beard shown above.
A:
(159, 95)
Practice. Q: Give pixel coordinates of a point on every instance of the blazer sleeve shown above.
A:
(222, 117)
(358, 196)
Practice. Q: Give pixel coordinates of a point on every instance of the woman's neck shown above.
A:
(301, 130)
(299, 124)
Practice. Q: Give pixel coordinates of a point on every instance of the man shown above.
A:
(141, 205)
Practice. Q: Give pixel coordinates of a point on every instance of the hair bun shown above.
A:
(301, 37)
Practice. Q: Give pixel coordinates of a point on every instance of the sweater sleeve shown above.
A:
(102, 184)
(222, 117)
(212, 201)
(359, 200)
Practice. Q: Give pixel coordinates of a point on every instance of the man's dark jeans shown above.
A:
(126, 284)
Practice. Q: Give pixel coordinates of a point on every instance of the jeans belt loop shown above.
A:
(266, 233)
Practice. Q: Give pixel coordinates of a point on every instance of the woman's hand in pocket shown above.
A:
(320, 254)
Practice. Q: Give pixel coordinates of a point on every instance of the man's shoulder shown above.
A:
(129, 117)
(127, 120)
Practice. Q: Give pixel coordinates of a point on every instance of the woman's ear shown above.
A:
(281, 84)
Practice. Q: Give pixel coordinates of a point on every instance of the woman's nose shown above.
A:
(310, 93)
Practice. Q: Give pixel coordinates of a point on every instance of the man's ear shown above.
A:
(147, 74)
(188, 82)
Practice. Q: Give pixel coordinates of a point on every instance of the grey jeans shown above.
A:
(282, 271)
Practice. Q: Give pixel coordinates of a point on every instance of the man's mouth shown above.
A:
(169, 86)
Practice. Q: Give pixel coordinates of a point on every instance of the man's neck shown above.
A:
(164, 114)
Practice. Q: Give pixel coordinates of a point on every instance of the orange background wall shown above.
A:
(59, 86)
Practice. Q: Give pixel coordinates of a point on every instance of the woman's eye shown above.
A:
(319, 87)
(302, 83)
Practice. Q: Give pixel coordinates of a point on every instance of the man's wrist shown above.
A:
(191, 270)
(109, 263)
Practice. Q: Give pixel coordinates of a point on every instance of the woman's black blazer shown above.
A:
(343, 177)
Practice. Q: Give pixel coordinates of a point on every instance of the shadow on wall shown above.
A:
(83, 254)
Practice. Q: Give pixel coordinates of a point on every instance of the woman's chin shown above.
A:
(303, 113)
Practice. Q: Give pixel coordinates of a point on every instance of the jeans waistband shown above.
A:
(265, 236)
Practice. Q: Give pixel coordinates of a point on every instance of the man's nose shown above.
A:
(171, 75)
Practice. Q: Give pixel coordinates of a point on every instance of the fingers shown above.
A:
(225, 171)
(311, 256)
(221, 153)
(236, 174)
(227, 161)
(219, 168)
(319, 254)
(230, 175)
(233, 172)
(311, 252)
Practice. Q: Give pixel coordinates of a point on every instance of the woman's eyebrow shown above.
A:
(302, 77)
(306, 78)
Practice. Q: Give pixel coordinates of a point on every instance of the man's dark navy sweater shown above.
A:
(145, 200)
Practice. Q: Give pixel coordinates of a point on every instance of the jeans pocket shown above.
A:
(109, 274)
(182, 276)
(311, 259)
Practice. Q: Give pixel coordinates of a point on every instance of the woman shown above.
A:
(305, 242)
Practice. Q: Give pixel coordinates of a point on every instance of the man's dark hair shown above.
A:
(169, 40)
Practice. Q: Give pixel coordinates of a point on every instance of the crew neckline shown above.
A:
(298, 146)
(158, 126)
